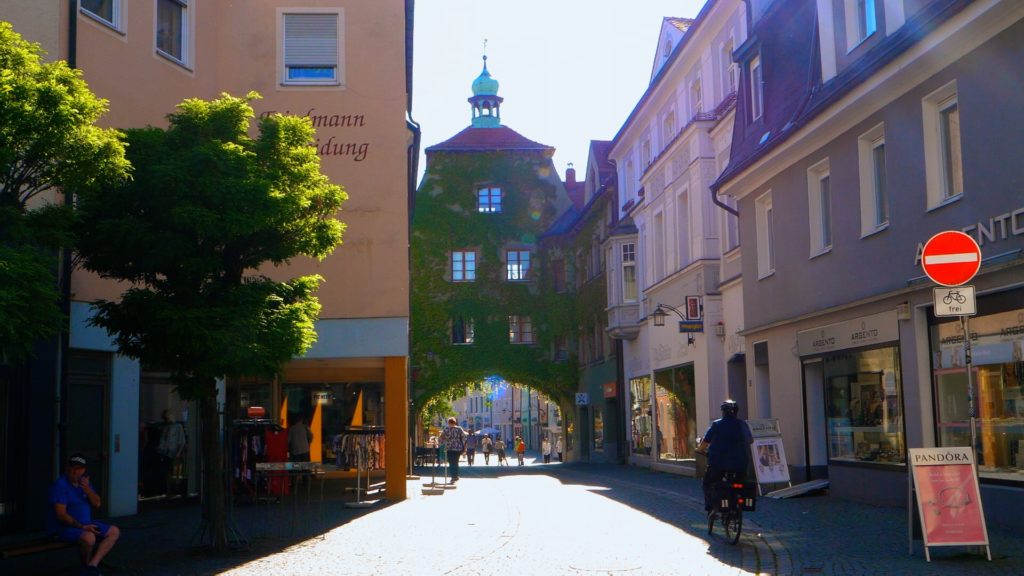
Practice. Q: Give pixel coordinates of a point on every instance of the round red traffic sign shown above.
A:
(951, 258)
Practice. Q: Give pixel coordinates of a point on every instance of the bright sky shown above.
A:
(570, 71)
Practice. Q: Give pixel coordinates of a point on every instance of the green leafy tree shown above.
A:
(207, 208)
(48, 144)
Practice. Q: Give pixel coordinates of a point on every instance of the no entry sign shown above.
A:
(951, 258)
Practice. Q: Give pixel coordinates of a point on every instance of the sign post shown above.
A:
(951, 259)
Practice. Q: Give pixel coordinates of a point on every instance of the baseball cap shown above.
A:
(77, 459)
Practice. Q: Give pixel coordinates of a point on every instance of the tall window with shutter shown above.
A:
(312, 48)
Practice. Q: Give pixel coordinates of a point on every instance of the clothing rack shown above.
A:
(356, 441)
(254, 441)
(369, 454)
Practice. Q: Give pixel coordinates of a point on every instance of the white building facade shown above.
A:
(669, 263)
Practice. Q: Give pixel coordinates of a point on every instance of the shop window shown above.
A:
(997, 347)
(676, 424)
(598, 429)
(864, 406)
(640, 418)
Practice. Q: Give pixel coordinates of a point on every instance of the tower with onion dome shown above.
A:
(481, 306)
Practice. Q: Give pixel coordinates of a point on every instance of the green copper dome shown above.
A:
(484, 85)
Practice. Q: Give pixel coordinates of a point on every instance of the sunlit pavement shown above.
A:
(541, 519)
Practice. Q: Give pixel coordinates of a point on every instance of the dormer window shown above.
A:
(861, 21)
(756, 89)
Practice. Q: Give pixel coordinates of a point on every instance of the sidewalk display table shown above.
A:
(297, 473)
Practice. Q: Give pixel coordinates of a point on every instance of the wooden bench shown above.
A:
(34, 546)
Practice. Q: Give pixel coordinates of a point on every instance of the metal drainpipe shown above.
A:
(65, 278)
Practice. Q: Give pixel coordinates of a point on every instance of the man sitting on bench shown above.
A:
(70, 519)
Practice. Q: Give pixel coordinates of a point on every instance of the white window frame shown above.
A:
(488, 200)
(668, 126)
(517, 265)
(819, 207)
(462, 263)
(286, 57)
(520, 330)
(756, 88)
(116, 14)
(185, 31)
(861, 18)
(943, 184)
(696, 97)
(765, 223)
(683, 228)
(645, 154)
(729, 79)
(629, 262)
(874, 187)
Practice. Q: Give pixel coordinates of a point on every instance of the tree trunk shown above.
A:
(215, 499)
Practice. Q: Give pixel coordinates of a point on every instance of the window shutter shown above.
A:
(311, 40)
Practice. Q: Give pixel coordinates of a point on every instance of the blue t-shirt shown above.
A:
(62, 492)
(730, 444)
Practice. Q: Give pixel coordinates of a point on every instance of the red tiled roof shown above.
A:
(476, 139)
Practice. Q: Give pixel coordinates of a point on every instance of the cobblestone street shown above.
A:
(537, 519)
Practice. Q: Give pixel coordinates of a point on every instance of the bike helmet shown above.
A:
(730, 407)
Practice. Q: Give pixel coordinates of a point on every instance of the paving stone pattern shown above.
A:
(538, 519)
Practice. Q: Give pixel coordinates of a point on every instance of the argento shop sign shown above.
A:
(998, 228)
(864, 331)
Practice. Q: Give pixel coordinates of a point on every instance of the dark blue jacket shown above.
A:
(730, 441)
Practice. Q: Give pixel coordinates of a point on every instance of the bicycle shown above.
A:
(954, 295)
(733, 498)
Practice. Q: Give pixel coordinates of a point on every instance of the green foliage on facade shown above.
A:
(446, 219)
(48, 143)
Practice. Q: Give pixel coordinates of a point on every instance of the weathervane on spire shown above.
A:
(485, 52)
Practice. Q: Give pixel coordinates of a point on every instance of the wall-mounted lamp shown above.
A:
(659, 315)
(720, 330)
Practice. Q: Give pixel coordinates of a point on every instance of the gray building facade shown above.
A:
(859, 135)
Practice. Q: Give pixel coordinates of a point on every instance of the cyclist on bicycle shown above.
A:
(729, 439)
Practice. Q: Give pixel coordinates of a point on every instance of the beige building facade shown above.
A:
(346, 65)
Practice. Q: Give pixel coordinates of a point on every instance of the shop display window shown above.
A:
(640, 415)
(598, 430)
(676, 418)
(864, 406)
(997, 346)
(333, 411)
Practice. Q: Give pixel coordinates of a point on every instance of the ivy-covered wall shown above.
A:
(446, 219)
